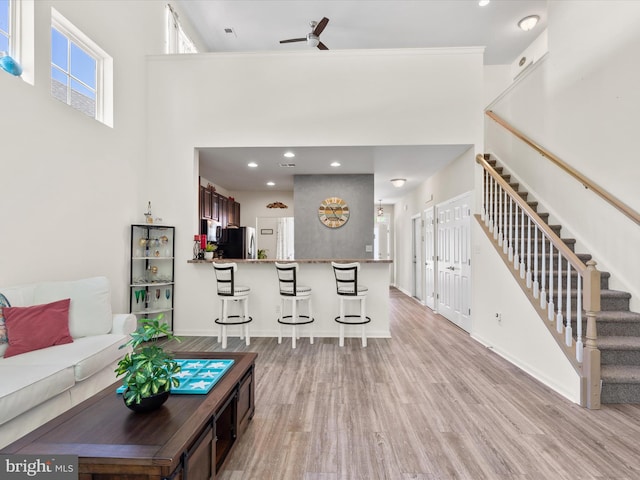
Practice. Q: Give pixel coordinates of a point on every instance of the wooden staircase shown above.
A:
(618, 329)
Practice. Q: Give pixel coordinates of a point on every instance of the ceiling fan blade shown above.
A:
(322, 46)
(321, 26)
(291, 40)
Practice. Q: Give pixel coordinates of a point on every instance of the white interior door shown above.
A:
(429, 259)
(454, 261)
(416, 223)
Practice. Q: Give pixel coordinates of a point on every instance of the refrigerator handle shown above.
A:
(251, 246)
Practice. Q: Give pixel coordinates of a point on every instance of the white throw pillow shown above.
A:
(90, 310)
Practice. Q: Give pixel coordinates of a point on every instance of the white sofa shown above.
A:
(39, 385)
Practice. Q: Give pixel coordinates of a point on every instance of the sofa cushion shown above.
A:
(3, 329)
(86, 355)
(37, 327)
(28, 386)
(90, 311)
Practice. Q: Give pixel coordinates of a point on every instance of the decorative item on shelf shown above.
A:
(148, 214)
(211, 187)
(262, 253)
(9, 65)
(209, 250)
(196, 247)
(277, 205)
(148, 371)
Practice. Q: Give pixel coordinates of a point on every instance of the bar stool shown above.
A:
(347, 288)
(228, 290)
(290, 290)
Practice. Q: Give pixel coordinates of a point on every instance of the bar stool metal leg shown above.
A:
(310, 316)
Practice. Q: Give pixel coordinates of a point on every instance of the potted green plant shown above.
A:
(208, 251)
(262, 253)
(148, 370)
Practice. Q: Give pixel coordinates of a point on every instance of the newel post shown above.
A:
(591, 354)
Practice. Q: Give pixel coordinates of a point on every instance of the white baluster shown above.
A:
(483, 213)
(550, 305)
(505, 224)
(528, 251)
(486, 198)
(510, 228)
(543, 293)
(492, 207)
(522, 251)
(500, 216)
(536, 285)
(559, 318)
(569, 329)
(516, 257)
(579, 345)
(496, 207)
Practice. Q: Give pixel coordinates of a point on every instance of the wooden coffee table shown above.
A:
(188, 438)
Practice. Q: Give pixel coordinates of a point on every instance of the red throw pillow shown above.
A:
(36, 327)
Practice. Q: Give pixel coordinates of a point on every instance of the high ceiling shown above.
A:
(353, 24)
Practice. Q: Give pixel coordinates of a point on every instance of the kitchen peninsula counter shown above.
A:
(264, 301)
(306, 260)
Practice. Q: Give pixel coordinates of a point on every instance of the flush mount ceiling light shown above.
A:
(335, 164)
(270, 184)
(289, 154)
(527, 23)
(484, 3)
(398, 182)
(252, 164)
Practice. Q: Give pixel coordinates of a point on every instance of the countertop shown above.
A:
(271, 261)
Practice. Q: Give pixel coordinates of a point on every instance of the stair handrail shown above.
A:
(557, 242)
(587, 183)
(587, 353)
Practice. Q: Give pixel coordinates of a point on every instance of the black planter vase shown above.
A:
(148, 404)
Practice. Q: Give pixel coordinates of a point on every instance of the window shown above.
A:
(5, 26)
(177, 39)
(17, 34)
(81, 72)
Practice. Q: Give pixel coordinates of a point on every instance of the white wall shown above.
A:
(71, 185)
(582, 104)
(404, 97)
(520, 337)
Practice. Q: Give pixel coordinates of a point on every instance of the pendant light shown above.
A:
(380, 210)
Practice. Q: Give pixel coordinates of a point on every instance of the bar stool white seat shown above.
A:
(348, 288)
(229, 291)
(291, 291)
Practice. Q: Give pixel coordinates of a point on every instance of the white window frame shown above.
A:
(22, 36)
(177, 41)
(104, 65)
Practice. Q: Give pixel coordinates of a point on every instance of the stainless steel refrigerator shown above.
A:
(238, 242)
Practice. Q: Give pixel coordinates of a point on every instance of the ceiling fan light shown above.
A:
(312, 40)
(527, 23)
(398, 182)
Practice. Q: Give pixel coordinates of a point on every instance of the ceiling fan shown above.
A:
(312, 38)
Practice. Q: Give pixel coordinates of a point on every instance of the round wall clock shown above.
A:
(333, 212)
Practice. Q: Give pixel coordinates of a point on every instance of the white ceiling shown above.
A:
(259, 25)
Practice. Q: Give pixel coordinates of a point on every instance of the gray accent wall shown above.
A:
(315, 240)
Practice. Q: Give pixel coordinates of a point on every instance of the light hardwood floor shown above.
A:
(429, 403)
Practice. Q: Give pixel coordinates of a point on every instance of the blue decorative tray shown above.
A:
(197, 376)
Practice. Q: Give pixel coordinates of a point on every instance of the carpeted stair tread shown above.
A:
(619, 343)
(618, 316)
(620, 373)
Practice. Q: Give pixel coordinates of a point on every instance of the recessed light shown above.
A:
(527, 23)
(252, 164)
(289, 154)
(270, 184)
(335, 164)
(484, 3)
